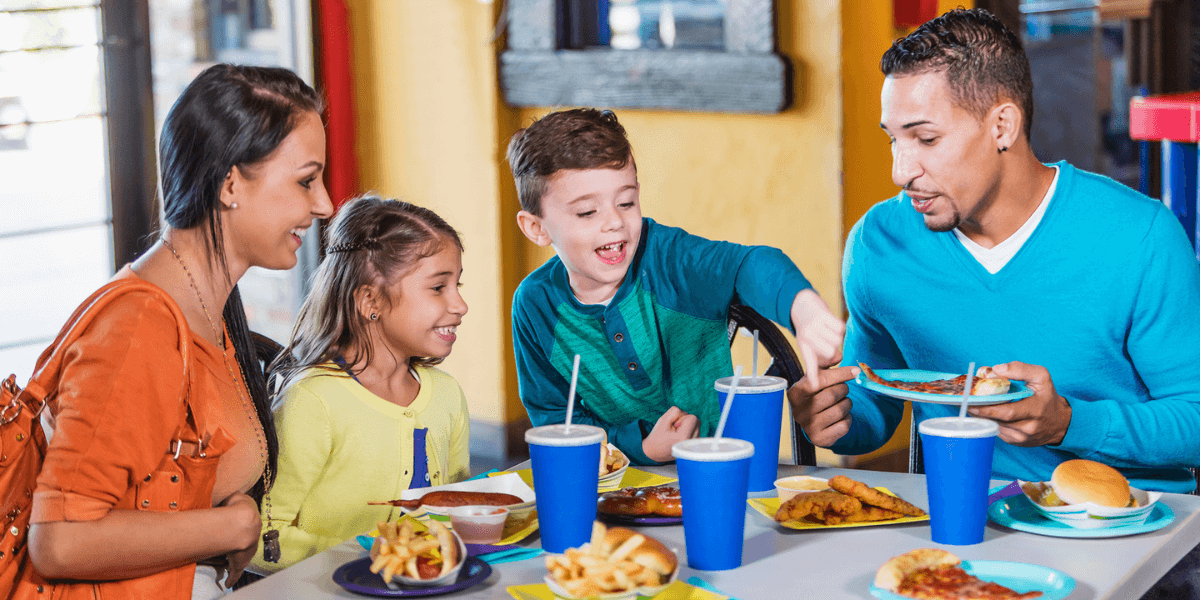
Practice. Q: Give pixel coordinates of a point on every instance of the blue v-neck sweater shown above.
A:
(1105, 294)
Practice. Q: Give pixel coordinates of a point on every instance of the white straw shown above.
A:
(571, 394)
(754, 362)
(733, 385)
(962, 412)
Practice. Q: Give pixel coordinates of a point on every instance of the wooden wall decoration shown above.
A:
(749, 76)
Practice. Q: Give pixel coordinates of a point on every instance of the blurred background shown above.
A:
(754, 121)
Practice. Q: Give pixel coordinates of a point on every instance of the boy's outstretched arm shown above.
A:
(819, 333)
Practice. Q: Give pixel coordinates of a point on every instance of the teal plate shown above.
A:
(1017, 512)
(1020, 577)
(1017, 390)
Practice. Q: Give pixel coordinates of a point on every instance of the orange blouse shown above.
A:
(115, 418)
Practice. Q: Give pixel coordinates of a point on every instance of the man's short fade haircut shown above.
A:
(581, 138)
(983, 61)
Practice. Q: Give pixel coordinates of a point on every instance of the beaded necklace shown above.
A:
(271, 549)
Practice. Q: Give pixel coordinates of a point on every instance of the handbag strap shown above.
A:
(49, 367)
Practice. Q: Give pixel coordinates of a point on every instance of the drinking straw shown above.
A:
(754, 362)
(962, 412)
(733, 385)
(571, 394)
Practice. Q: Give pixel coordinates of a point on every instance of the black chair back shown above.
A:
(784, 363)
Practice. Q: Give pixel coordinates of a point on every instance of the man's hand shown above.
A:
(247, 513)
(1038, 420)
(674, 426)
(820, 406)
(819, 334)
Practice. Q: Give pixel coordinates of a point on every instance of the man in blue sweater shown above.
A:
(1082, 288)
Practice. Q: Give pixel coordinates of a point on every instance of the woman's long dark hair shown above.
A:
(229, 116)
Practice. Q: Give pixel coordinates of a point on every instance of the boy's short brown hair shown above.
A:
(581, 138)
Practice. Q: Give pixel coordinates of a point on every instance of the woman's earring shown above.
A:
(374, 317)
(1002, 151)
(234, 205)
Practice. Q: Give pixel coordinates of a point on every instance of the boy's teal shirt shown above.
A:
(1105, 294)
(661, 341)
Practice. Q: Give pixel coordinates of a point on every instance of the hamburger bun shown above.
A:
(1078, 481)
(651, 553)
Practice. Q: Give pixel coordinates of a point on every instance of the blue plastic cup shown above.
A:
(756, 417)
(713, 474)
(958, 469)
(565, 490)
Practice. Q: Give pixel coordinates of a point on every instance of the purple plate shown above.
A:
(639, 520)
(357, 577)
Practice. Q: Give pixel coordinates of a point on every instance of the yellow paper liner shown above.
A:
(633, 478)
(515, 529)
(679, 590)
(769, 506)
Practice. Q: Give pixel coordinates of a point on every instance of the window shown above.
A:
(702, 55)
(59, 234)
(78, 164)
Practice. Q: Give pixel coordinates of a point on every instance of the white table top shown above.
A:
(833, 563)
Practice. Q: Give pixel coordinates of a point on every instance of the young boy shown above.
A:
(646, 306)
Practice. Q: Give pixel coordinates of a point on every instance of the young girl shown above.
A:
(150, 471)
(363, 414)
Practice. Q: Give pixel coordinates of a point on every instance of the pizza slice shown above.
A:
(932, 574)
(985, 383)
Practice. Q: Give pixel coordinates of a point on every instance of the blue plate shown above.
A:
(1017, 512)
(1020, 577)
(1017, 390)
(357, 577)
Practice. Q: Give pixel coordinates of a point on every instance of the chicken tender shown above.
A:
(868, 495)
(817, 505)
(866, 513)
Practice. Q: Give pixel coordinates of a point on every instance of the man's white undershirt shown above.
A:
(993, 259)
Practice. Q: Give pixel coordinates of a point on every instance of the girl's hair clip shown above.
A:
(368, 244)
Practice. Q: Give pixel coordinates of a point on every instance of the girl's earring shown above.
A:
(233, 205)
(374, 317)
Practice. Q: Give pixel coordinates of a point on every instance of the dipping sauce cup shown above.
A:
(958, 468)
(565, 480)
(478, 524)
(713, 474)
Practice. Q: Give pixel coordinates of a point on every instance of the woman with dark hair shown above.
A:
(160, 449)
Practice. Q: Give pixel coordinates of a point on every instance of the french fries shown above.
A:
(611, 461)
(607, 568)
(399, 549)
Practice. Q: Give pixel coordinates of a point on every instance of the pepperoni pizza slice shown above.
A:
(932, 574)
(985, 383)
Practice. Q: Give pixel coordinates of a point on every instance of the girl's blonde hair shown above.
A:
(372, 241)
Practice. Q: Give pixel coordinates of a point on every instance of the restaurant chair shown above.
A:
(784, 363)
(916, 462)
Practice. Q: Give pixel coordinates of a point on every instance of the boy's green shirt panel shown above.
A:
(660, 342)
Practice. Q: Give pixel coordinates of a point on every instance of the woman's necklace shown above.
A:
(271, 549)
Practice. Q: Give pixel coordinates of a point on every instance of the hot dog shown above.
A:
(455, 498)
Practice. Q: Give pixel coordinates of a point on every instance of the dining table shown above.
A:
(828, 563)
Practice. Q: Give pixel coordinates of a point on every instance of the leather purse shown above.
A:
(22, 440)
